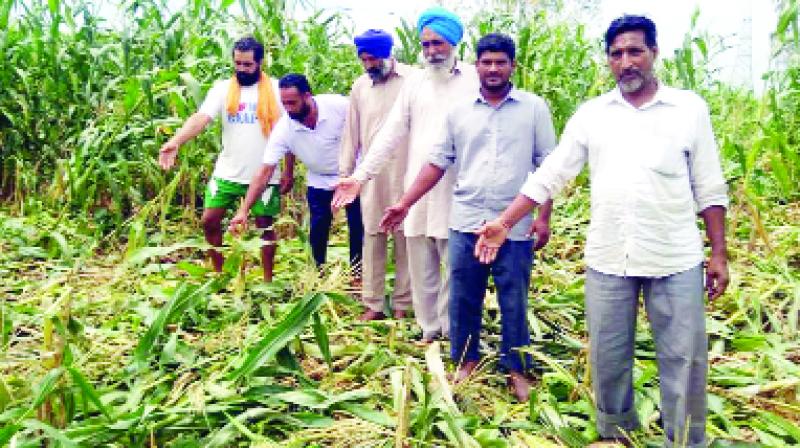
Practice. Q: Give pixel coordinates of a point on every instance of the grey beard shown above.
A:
(440, 70)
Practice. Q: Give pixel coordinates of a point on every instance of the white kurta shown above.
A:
(419, 114)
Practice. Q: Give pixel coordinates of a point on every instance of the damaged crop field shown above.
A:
(114, 331)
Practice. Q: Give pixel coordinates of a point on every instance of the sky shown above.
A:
(744, 26)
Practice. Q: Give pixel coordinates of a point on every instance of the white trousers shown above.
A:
(430, 284)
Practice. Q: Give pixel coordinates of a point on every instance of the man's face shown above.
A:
(631, 61)
(247, 68)
(297, 105)
(435, 48)
(375, 67)
(494, 70)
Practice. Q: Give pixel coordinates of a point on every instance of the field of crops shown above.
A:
(114, 332)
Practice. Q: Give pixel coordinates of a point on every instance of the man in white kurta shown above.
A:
(419, 115)
(371, 99)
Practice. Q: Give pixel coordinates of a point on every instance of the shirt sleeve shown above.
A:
(215, 100)
(351, 137)
(443, 153)
(560, 167)
(544, 138)
(705, 170)
(278, 144)
(393, 130)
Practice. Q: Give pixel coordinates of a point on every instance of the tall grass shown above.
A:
(101, 346)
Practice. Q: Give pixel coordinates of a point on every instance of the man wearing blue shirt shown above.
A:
(493, 140)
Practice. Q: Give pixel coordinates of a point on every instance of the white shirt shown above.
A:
(419, 114)
(651, 170)
(243, 141)
(317, 148)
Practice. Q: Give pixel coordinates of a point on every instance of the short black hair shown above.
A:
(496, 42)
(631, 23)
(295, 80)
(249, 43)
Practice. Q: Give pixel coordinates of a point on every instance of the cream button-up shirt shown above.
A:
(419, 114)
(370, 103)
(651, 169)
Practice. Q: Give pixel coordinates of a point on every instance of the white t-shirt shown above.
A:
(243, 142)
(317, 148)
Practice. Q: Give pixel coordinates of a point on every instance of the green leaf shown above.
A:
(291, 325)
(321, 334)
(88, 391)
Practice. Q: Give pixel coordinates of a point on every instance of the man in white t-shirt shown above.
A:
(249, 107)
(311, 130)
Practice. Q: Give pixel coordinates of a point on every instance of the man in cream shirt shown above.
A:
(419, 115)
(371, 99)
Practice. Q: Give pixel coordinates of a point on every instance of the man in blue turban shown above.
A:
(439, 31)
(418, 115)
(371, 99)
(442, 22)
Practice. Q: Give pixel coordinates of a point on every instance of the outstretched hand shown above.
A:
(492, 235)
(392, 218)
(167, 155)
(347, 190)
(717, 276)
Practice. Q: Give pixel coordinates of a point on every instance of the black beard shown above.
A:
(247, 79)
(302, 114)
(375, 73)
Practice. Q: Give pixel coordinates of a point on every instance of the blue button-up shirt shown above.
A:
(493, 149)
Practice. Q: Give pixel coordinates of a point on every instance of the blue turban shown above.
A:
(443, 23)
(375, 42)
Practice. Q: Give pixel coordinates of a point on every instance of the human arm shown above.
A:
(711, 198)
(428, 176)
(717, 276)
(287, 176)
(257, 186)
(379, 153)
(193, 126)
(558, 168)
(544, 141)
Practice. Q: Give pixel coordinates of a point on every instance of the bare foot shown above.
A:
(371, 315)
(465, 370)
(520, 386)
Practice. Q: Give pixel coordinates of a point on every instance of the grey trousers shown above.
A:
(675, 309)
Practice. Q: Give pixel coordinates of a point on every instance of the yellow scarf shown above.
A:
(267, 109)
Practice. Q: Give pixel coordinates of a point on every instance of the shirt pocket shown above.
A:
(665, 156)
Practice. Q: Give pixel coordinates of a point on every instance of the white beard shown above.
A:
(440, 71)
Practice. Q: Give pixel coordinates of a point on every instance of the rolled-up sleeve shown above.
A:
(560, 167)
(443, 152)
(705, 171)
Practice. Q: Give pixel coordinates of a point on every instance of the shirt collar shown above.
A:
(512, 95)
(664, 95)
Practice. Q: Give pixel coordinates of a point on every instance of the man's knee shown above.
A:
(211, 222)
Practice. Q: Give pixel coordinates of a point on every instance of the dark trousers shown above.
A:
(468, 281)
(319, 204)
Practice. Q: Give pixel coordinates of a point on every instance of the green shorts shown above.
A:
(225, 194)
